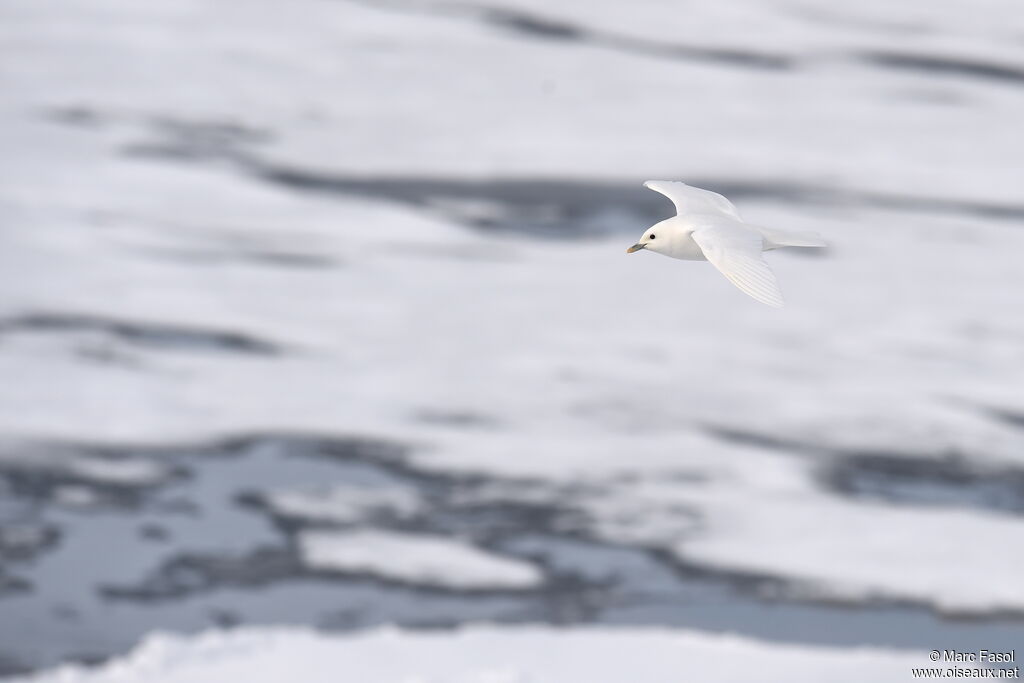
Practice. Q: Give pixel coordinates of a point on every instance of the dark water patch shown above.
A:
(236, 558)
(731, 57)
(11, 584)
(169, 137)
(744, 437)
(183, 139)
(11, 666)
(654, 586)
(199, 523)
(80, 116)
(213, 133)
(1008, 417)
(565, 209)
(225, 618)
(570, 208)
(151, 335)
(60, 484)
(543, 27)
(356, 448)
(542, 208)
(188, 574)
(929, 480)
(23, 541)
(754, 584)
(937, 65)
(456, 418)
(949, 482)
(547, 28)
(533, 25)
(243, 256)
(154, 532)
(489, 522)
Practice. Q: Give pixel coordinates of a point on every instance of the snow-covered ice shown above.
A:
(486, 655)
(345, 503)
(415, 558)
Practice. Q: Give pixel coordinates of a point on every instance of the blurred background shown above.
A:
(316, 315)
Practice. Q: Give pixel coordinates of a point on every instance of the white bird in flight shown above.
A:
(708, 227)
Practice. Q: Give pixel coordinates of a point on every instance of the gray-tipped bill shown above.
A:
(636, 247)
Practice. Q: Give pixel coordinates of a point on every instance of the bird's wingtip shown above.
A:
(649, 183)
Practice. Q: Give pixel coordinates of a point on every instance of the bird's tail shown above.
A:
(790, 238)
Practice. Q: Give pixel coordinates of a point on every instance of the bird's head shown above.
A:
(655, 238)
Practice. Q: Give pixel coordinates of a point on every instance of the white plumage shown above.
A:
(708, 227)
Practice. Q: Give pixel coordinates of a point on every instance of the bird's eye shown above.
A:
(653, 235)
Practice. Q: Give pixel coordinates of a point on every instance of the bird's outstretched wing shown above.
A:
(693, 199)
(736, 252)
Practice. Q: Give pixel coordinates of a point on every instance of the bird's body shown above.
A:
(708, 227)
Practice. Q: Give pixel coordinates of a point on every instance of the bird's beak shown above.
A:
(636, 247)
